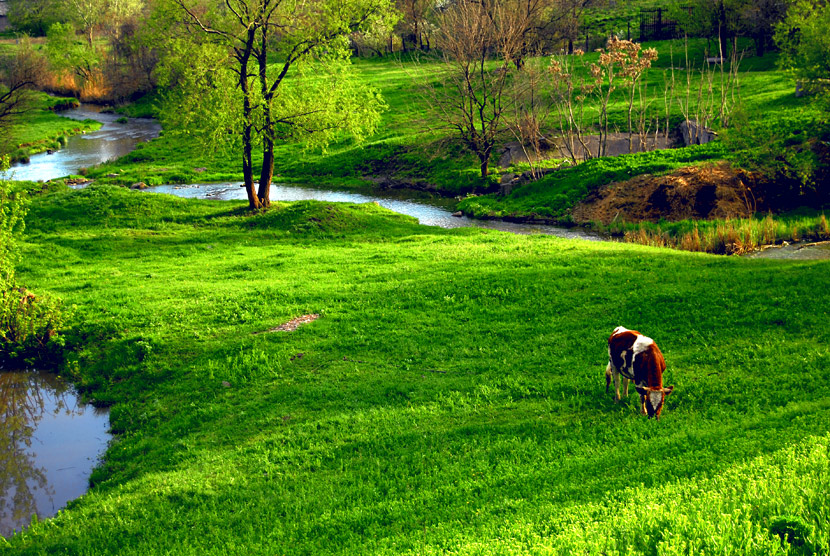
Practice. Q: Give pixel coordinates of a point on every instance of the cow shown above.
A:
(637, 358)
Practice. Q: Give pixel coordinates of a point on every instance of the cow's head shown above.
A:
(653, 399)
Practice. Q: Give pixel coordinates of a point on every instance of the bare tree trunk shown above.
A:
(244, 56)
(267, 172)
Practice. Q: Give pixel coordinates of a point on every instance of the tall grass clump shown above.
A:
(732, 236)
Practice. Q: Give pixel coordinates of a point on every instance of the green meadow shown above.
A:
(450, 399)
(450, 396)
(413, 149)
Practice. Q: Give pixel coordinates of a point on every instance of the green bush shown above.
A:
(12, 211)
(29, 326)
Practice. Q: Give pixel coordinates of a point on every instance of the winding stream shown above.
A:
(427, 213)
(112, 141)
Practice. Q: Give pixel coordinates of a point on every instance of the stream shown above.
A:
(429, 212)
(111, 141)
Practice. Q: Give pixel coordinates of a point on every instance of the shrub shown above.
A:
(29, 326)
(12, 211)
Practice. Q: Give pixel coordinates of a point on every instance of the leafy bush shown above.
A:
(29, 326)
(790, 151)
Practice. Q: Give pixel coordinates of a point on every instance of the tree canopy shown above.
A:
(255, 73)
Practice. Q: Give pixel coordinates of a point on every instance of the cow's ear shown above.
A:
(668, 390)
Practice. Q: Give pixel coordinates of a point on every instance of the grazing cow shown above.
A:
(637, 358)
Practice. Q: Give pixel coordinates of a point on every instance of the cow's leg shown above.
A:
(626, 382)
(616, 386)
(608, 374)
(642, 404)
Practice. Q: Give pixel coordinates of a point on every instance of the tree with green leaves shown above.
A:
(20, 75)
(805, 44)
(266, 71)
(35, 16)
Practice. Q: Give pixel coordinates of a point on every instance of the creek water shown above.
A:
(111, 141)
(49, 443)
(430, 212)
(795, 252)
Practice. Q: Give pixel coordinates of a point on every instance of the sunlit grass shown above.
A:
(450, 398)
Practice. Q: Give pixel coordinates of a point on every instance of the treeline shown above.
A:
(110, 49)
(226, 68)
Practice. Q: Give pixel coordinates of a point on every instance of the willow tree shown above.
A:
(261, 72)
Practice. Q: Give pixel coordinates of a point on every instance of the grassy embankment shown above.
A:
(450, 399)
(42, 128)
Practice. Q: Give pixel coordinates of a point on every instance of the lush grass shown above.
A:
(551, 197)
(449, 400)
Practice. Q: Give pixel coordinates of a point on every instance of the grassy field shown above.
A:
(449, 400)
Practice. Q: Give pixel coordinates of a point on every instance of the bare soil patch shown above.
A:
(293, 324)
(696, 192)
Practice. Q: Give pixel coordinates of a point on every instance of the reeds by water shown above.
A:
(733, 236)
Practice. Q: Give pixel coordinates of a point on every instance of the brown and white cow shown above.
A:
(637, 358)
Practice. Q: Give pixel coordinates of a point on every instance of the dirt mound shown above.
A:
(697, 192)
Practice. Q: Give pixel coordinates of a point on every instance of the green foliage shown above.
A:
(66, 52)
(805, 45)
(12, 213)
(28, 323)
(788, 150)
(35, 16)
(29, 329)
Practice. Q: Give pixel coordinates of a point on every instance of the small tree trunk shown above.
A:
(484, 158)
(244, 56)
(267, 174)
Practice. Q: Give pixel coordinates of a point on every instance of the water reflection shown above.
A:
(427, 213)
(49, 443)
(112, 141)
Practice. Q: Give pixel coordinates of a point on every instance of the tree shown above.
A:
(727, 19)
(68, 54)
(479, 41)
(19, 75)
(805, 44)
(35, 16)
(414, 25)
(306, 94)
